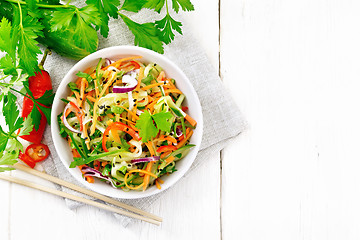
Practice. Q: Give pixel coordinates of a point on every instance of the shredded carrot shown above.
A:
(167, 91)
(168, 138)
(91, 98)
(131, 113)
(157, 184)
(163, 155)
(96, 164)
(147, 177)
(151, 149)
(160, 180)
(103, 164)
(152, 85)
(182, 142)
(190, 120)
(118, 62)
(84, 84)
(170, 159)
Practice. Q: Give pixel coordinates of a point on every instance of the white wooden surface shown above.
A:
(293, 69)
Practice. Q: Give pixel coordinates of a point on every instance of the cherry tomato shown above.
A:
(37, 152)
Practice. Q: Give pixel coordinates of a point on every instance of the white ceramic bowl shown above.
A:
(171, 70)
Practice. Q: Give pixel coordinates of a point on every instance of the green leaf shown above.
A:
(146, 35)
(84, 35)
(162, 120)
(186, 5)
(11, 113)
(86, 76)
(166, 25)
(90, 15)
(27, 127)
(46, 99)
(47, 112)
(73, 87)
(157, 5)
(146, 126)
(7, 43)
(105, 9)
(36, 117)
(3, 140)
(61, 19)
(28, 48)
(133, 6)
(8, 65)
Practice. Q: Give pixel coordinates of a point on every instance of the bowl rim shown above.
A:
(126, 50)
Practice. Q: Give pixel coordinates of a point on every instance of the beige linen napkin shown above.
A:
(222, 119)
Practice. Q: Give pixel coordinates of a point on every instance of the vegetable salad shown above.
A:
(126, 123)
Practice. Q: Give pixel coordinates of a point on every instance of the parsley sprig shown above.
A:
(150, 125)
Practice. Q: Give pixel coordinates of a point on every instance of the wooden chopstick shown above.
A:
(85, 191)
(76, 198)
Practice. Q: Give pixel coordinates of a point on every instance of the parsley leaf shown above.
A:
(146, 126)
(157, 5)
(27, 127)
(166, 25)
(61, 19)
(3, 140)
(105, 9)
(133, 6)
(186, 5)
(45, 99)
(11, 113)
(162, 120)
(7, 43)
(146, 35)
(28, 30)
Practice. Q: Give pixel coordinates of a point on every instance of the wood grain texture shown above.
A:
(296, 170)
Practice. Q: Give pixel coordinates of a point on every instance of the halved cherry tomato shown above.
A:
(26, 159)
(37, 152)
(166, 148)
(120, 127)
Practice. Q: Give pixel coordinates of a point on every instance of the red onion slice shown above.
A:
(67, 125)
(147, 159)
(179, 133)
(132, 82)
(90, 172)
(108, 62)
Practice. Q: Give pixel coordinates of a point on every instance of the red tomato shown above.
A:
(37, 152)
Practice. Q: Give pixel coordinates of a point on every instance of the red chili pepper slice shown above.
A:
(120, 127)
(26, 159)
(166, 148)
(37, 152)
(38, 84)
(78, 113)
(135, 64)
(184, 109)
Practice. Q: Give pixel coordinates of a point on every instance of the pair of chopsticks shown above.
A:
(132, 211)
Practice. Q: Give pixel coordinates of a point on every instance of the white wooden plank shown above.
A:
(293, 175)
(190, 209)
(5, 213)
